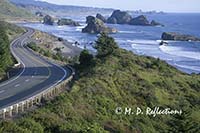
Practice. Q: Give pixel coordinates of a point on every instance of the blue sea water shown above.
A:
(144, 40)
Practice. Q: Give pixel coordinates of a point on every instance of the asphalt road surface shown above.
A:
(35, 74)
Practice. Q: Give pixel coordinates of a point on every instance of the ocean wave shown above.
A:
(133, 45)
(178, 51)
(129, 32)
(152, 42)
(191, 68)
(79, 28)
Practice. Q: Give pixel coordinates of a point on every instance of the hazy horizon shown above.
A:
(183, 6)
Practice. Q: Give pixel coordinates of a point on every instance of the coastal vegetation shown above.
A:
(7, 33)
(5, 56)
(11, 30)
(117, 78)
(53, 44)
(8, 11)
(57, 56)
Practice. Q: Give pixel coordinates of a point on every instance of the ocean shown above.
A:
(144, 40)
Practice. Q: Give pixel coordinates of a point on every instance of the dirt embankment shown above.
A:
(52, 43)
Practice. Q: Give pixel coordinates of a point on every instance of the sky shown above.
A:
(146, 5)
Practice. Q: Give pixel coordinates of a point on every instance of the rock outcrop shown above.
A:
(101, 17)
(154, 23)
(112, 20)
(70, 22)
(163, 43)
(95, 26)
(122, 17)
(140, 20)
(89, 19)
(178, 37)
(119, 17)
(39, 14)
(48, 20)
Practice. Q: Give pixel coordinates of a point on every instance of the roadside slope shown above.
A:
(7, 33)
(121, 79)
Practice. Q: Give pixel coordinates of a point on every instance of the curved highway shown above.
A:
(35, 75)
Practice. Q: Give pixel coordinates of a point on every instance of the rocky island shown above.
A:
(119, 17)
(178, 37)
(140, 20)
(122, 17)
(48, 20)
(95, 26)
(65, 21)
(101, 17)
(154, 23)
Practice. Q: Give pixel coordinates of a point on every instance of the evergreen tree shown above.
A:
(183, 123)
(105, 45)
(85, 58)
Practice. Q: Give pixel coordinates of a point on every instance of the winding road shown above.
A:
(35, 74)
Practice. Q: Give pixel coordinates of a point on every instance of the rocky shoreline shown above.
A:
(178, 37)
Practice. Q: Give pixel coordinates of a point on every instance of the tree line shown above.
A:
(5, 54)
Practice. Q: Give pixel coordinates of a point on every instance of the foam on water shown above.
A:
(152, 42)
(79, 28)
(195, 68)
(144, 40)
(178, 51)
(128, 32)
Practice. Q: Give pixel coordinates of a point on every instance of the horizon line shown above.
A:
(112, 8)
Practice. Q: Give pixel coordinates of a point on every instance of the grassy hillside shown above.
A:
(11, 30)
(10, 11)
(118, 78)
(59, 10)
(7, 33)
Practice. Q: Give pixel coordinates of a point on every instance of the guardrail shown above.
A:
(21, 106)
(36, 98)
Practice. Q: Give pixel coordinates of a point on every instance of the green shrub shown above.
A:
(121, 79)
(85, 58)
(105, 45)
(31, 125)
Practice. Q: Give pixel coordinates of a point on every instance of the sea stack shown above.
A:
(154, 23)
(178, 37)
(140, 20)
(65, 21)
(101, 17)
(119, 17)
(122, 17)
(96, 26)
(48, 20)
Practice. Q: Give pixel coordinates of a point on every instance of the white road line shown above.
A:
(17, 85)
(2, 91)
(27, 80)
